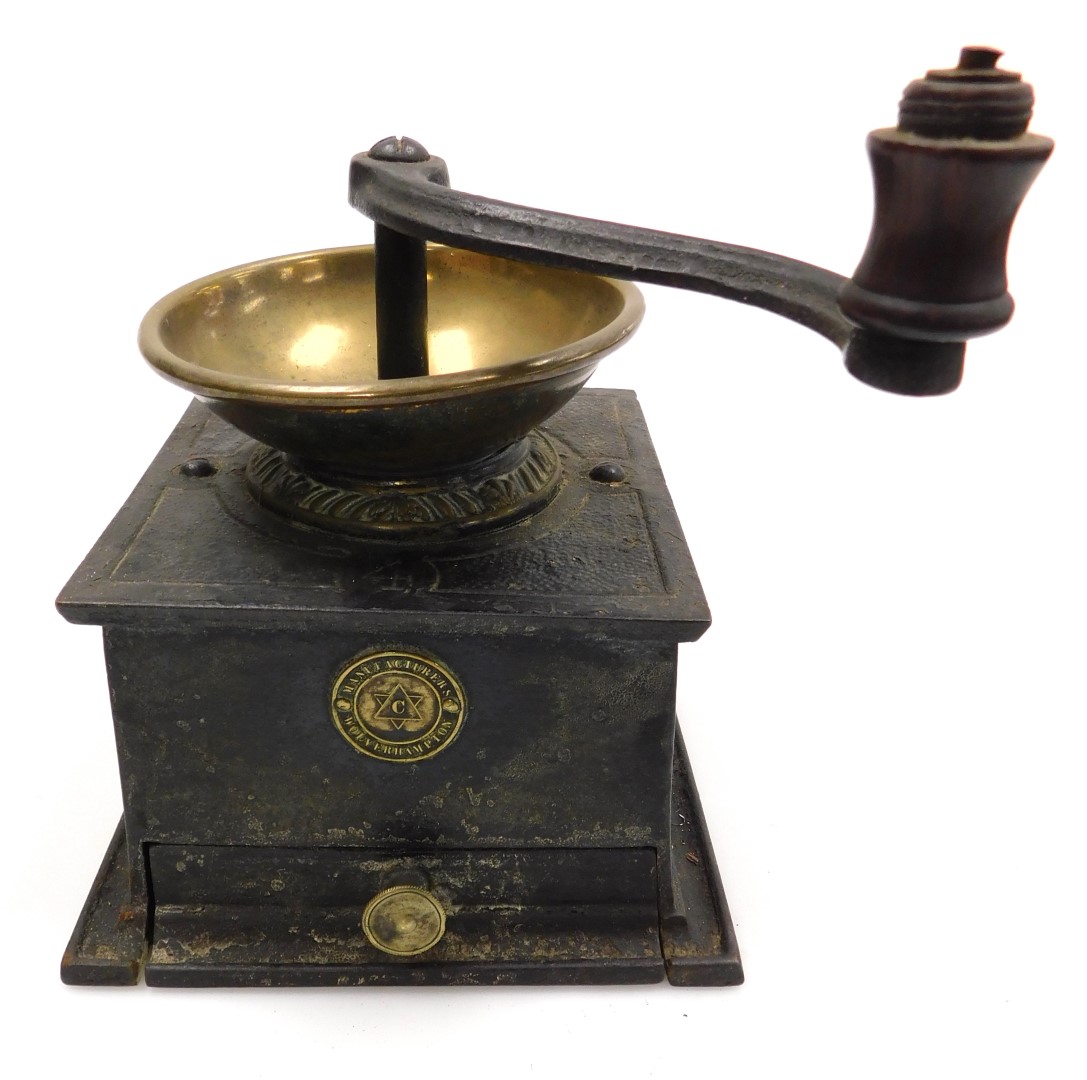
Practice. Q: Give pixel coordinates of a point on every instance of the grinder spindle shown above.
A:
(400, 286)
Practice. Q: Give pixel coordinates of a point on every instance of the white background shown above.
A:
(887, 718)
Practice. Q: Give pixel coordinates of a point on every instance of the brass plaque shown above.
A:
(398, 706)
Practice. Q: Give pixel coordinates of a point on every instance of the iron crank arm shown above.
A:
(949, 180)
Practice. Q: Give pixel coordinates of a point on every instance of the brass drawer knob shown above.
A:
(404, 920)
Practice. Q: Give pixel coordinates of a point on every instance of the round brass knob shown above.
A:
(404, 920)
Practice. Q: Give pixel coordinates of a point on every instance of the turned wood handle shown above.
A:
(948, 183)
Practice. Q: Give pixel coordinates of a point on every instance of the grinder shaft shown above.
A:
(400, 284)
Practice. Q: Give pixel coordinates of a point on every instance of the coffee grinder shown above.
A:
(392, 621)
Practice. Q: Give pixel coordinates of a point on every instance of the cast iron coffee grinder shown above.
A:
(391, 622)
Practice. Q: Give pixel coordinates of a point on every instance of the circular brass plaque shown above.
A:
(398, 706)
(404, 920)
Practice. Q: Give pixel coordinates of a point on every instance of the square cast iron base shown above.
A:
(689, 938)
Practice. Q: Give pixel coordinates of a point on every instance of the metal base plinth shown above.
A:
(690, 939)
(109, 942)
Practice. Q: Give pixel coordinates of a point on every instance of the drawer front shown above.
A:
(222, 913)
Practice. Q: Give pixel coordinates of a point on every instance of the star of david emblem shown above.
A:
(398, 706)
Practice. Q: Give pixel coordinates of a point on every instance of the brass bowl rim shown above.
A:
(212, 384)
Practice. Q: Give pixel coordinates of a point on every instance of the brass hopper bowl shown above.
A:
(286, 351)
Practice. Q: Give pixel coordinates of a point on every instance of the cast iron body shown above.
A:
(254, 834)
